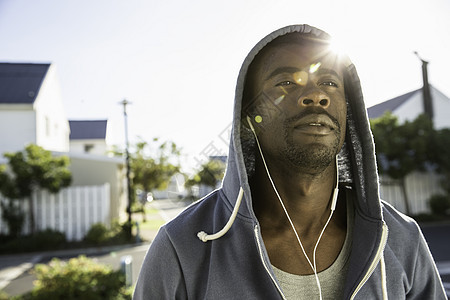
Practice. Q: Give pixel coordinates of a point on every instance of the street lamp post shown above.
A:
(127, 162)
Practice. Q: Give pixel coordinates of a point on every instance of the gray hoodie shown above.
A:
(389, 255)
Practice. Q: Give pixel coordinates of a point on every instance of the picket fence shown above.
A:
(75, 209)
(72, 211)
(420, 186)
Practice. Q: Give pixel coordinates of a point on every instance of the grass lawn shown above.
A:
(154, 220)
(152, 224)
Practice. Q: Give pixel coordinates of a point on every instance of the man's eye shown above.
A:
(285, 83)
(329, 83)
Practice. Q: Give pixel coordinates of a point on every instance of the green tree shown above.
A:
(402, 148)
(152, 164)
(440, 151)
(27, 171)
(210, 174)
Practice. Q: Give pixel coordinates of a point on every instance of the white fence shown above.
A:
(72, 211)
(419, 188)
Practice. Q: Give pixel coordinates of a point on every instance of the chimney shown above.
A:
(427, 100)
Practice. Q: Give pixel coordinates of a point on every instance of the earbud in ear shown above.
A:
(249, 121)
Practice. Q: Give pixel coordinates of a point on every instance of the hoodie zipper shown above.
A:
(375, 261)
(264, 262)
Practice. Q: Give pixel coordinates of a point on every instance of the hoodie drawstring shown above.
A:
(383, 278)
(204, 237)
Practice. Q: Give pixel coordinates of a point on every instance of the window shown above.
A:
(88, 148)
(47, 126)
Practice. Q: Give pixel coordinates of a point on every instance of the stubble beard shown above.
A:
(312, 158)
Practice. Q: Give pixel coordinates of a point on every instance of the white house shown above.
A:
(91, 166)
(410, 105)
(420, 185)
(88, 136)
(31, 109)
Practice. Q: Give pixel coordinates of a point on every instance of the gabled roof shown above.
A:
(87, 129)
(20, 82)
(389, 105)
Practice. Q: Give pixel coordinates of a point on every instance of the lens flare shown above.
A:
(314, 67)
(301, 78)
(279, 99)
(258, 119)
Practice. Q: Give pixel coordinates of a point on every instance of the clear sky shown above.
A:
(177, 61)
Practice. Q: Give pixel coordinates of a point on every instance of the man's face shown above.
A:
(299, 107)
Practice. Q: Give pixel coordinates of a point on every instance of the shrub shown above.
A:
(100, 234)
(439, 204)
(3, 295)
(79, 278)
(97, 234)
(43, 240)
(48, 239)
(127, 229)
(428, 218)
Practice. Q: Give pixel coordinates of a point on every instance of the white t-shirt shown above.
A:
(332, 279)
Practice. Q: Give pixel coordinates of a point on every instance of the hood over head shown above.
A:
(357, 165)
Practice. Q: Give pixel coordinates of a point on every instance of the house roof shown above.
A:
(87, 129)
(389, 105)
(20, 82)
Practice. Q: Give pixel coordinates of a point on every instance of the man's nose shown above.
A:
(314, 98)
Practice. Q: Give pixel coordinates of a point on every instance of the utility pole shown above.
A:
(427, 100)
(127, 162)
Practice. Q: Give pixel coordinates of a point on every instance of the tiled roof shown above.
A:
(20, 82)
(87, 129)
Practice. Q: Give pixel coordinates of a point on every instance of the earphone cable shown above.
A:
(312, 265)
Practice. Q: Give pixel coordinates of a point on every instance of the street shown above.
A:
(437, 237)
(438, 240)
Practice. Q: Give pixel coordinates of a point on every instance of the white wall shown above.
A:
(78, 146)
(52, 126)
(441, 109)
(17, 127)
(88, 169)
(410, 109)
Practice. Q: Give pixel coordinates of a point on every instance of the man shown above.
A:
(298, 215)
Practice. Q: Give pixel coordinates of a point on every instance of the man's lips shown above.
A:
(315, 124)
